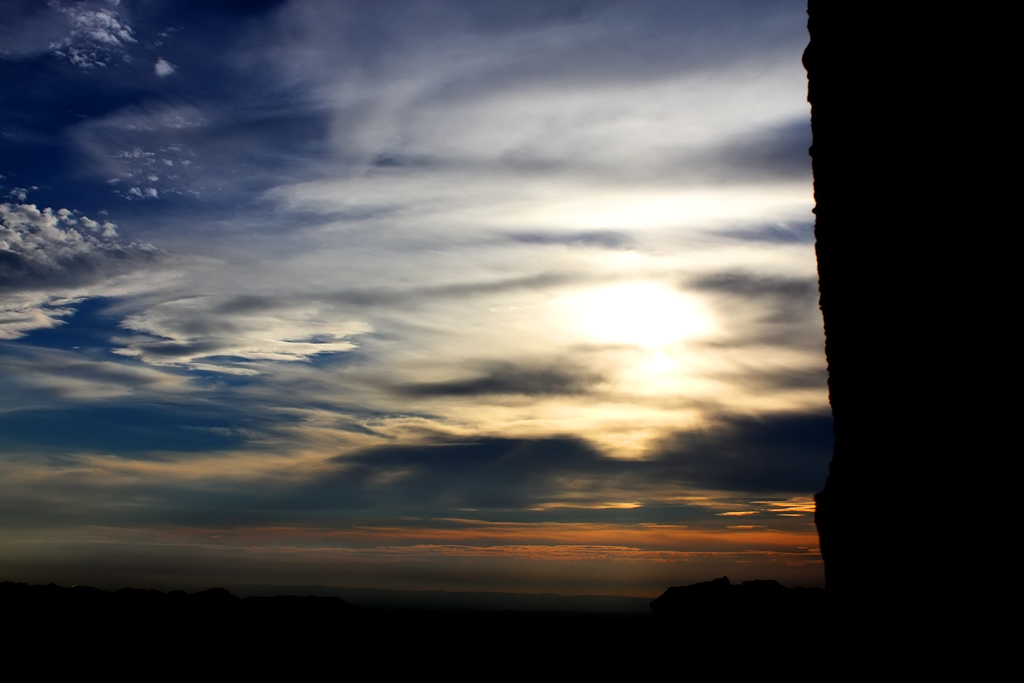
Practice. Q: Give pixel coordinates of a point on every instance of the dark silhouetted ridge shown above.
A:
(720, 602)
(695, 630)
(134, 631)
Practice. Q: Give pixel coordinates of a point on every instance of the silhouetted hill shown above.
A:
(133, 616)
(473, 601)
(719, 602)
(146, 632)
(22, 596)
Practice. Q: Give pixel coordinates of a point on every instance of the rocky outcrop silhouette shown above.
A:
(712, 605)
(906, 188)
(910, 197)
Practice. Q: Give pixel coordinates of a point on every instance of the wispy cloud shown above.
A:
(187, 330)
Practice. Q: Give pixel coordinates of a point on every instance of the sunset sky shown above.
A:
(510, 295)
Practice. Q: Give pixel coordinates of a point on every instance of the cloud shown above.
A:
(562, 41)
(383, 297)
(780, 454)
(201, 150)
(93, 36)
(22, 312)
(191, 332)
(787, 233)
(771, 453)
(780, 300)
(772, 152)
(751, 285)
(537, 121)
(144, 150)
(51, 260)
(485, 473)
(781, 150)
(507, 378)
(768, 381)
(455, 290)
(40, 378)
(163, 68)
(602, 239)
(43, 248)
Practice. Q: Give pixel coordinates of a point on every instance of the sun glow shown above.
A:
(644, 314)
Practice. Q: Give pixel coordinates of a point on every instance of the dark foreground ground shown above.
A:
(705, 629)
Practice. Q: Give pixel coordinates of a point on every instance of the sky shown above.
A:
(419, 294)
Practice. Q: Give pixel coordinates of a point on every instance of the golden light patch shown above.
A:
(587, 506)
(644, 314)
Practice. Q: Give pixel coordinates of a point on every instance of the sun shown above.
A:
(646, 314)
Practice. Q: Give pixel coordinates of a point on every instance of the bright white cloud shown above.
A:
(163, 68)
(50, 259)
(98, 35)
(22, 312)
(47, 238)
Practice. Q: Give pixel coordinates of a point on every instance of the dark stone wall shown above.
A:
(911, 219)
